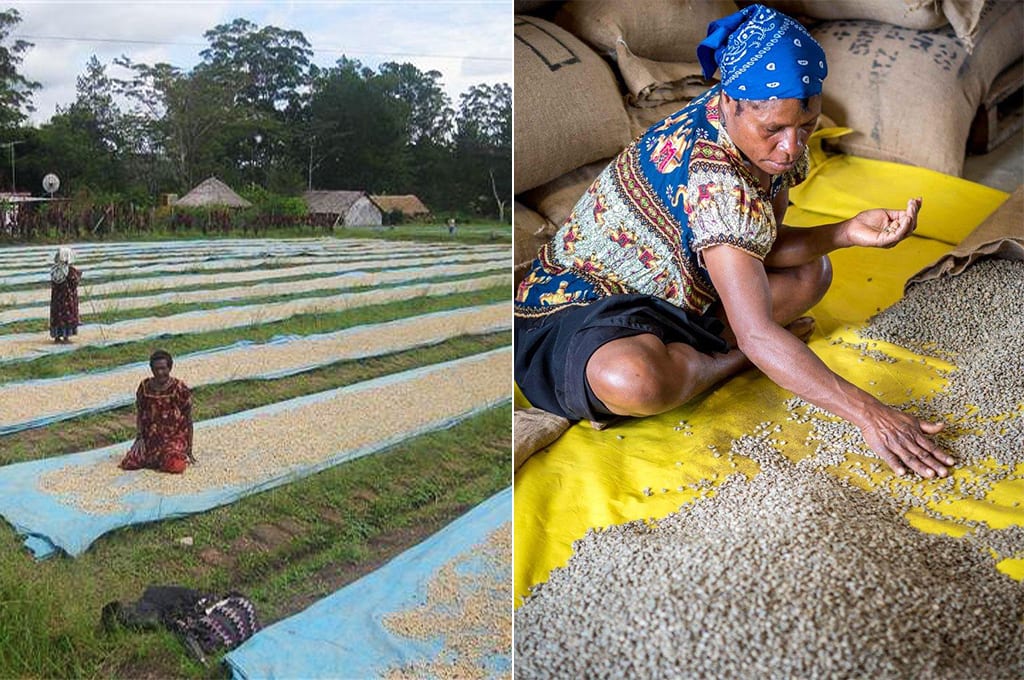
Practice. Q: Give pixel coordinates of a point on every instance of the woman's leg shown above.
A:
(641, 375)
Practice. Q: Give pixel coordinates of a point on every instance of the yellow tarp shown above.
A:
(636, 470)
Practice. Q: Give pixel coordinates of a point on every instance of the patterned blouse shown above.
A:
(641, 226)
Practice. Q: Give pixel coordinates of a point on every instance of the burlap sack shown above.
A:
(923, 15)
(654, 42)
(567, 108)
(1001, 235)
(532, 430)
(556, 199)
(910, 96)
(662, 30)
(529, 232)
(651, 83)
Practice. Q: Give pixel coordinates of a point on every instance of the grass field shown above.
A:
(469, 232)
(286, 547)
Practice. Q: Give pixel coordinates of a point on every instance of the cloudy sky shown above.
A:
(468, 41)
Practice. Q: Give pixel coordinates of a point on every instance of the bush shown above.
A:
(91, 215)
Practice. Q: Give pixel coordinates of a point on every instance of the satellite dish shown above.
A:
(51, 183)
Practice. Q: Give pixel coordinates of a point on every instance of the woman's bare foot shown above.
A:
(801, 327)
(603, 424)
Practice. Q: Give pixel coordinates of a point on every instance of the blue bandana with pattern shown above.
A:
(763, 54)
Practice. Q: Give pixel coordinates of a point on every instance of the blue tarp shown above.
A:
(343, 635)
(64, 411)
(49, 524)
(339, 280)
(185, 262)
(46, 349)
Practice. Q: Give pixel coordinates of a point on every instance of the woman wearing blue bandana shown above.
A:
(675, 271)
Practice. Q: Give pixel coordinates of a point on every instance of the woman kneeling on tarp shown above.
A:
(163, 408)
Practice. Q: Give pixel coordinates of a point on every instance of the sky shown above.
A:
(468, 41)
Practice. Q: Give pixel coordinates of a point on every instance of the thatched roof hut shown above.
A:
(331, 202)
(349, 208)
(211, 192)
(409, 204)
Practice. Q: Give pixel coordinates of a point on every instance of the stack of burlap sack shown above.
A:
(906, 75)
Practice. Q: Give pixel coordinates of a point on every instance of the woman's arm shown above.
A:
(898, 438)
(877, 228)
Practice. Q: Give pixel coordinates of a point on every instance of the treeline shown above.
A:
(258, 114)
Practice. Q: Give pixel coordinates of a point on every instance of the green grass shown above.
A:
(98, 358)
(210, 401)
(336, 525)
(114, 278)
(343, 521)
(108, 317)
(144, 275)
(216, 285)
(464, 233)
(477, 232)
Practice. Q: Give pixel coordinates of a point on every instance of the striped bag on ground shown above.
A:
(217, 624)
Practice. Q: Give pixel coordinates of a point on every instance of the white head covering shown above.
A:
(61, 263)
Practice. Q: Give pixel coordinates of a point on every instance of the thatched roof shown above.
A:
(409, 204)
(212, 192)
(331, 202)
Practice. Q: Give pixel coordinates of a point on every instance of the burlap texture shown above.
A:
(910, 96)
(654, 42)
(661, 30)
(922, 15)
(556, 199)
(651, 83)
(532, 430)
(1001, 235)
(529, 232)
(567, 110)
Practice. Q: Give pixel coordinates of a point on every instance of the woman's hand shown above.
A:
(881, 227)
(903, 441)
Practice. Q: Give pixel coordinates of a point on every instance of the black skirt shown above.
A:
(551, 352)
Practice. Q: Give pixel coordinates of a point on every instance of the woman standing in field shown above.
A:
(163, 416)
(64, 296)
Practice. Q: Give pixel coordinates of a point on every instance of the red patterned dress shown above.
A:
(164, 419)
(64, 305)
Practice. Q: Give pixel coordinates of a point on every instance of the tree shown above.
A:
(83, 141)
(430, 111)
(485, 116)
(190, 118)
(274, 63)
(363, 128)
(95, 100)
(275, 74)
(483, 147)
(15, 89)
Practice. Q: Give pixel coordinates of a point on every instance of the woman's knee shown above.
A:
(816, 277)
(824, 273)
(635, 384)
